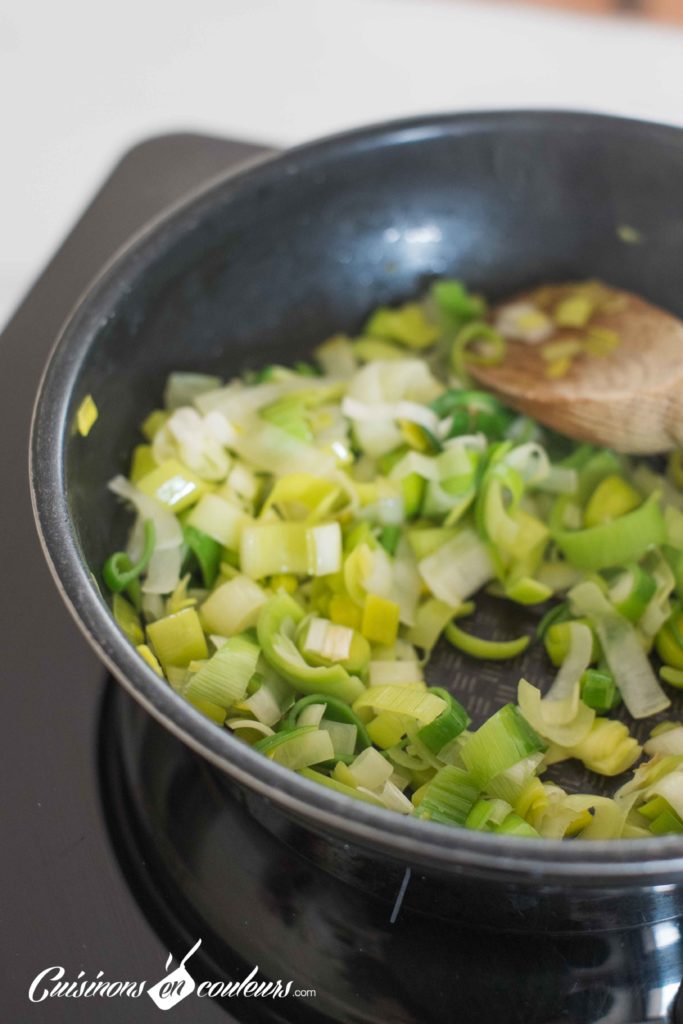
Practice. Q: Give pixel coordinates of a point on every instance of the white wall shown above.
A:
(80, 81)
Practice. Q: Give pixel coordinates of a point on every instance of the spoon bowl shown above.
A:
(630, 399)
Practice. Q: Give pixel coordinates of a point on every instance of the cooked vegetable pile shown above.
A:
(304, 537)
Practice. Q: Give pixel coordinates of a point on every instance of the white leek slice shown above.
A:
(268, 548)
(460, 460)
(431, 618)
(558, 576)
(312, 714)
(414, 462)
(238, 402)
(186, 435)
(336, 356)
(567, 734)
(395, 673)
(177, 676)
(373, 571)
(658, 609)
(507, 785)
(388, 510)
(407, 584)
(607, 818)
(273, 697)
(235, 399)
(669, 742)
(561, 703)
(530, 461)
(163, 571)
(249, 723)
(183, 387)
(502, 528)
(645, 775)
(324, 549)
(389, 381)
(379, 578)
(608, 749)
(168, 533)
(560, 480)
(458, 568)
(370, 769)
(628, 662)
(342, 734)
(438, 502)
(302, 496)
(670, 787)
(329, 640)
(223, 678)
(243, 482)
(400, 650)
(370, 412)
(153, 607)
(549, 814)
(273, 450)
(302, 751)
(522, 321)
(216, 425)
(233, 606)
(392, 798)
(218, 519)
(412, 701)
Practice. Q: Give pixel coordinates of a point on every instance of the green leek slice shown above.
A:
(624, 540)
(501, 742)
(486, 650)
(449, 797)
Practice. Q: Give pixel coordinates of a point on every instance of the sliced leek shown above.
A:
(304, 537)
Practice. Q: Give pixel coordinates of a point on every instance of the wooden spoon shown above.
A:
(630, 400)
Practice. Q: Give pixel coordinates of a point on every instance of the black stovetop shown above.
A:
(108, 823)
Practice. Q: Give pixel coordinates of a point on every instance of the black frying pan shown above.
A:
(261, 266)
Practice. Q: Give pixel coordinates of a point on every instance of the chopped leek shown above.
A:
(564, 734)
(486, 650)
(415, 702)
(128, 620)
(334, 710)
(303, 538)
(613, 497)
(233, 606)
(207, 552)
(623, 652)
(178, 639)
(370, 769)
(223, 679)
(277, 623)
(119, 572)
(626, 539)
(458, 569)
(86, 416)
(478, 343)
(631, 592)
(449, 797)
(380, 619)
(172, 484)
(446, 726)
(501, 742)
(598, 690)
(608, 749)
